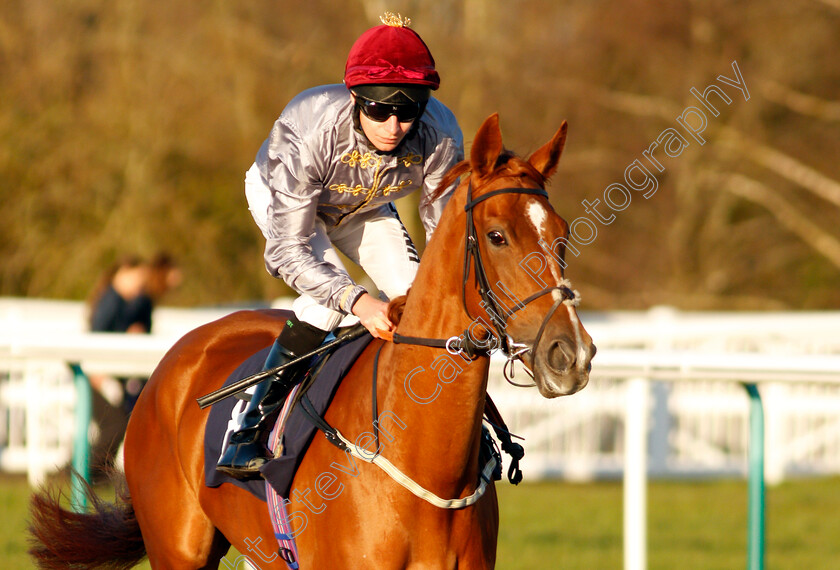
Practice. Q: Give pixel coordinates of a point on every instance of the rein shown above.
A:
(485, 477)
(336, 438)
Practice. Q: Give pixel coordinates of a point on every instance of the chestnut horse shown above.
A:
(356, 515)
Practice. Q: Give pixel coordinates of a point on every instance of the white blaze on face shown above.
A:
(538, 216)
(581, 349)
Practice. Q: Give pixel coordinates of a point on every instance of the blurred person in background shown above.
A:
(123, 301)
(163, 275)
(325, 179)
(110, 307)
(110, 302)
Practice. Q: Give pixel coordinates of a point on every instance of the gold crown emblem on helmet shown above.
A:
(395, 20)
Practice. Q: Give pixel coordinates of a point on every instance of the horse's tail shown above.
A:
(108, 536)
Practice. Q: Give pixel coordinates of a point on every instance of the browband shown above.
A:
(537, 191)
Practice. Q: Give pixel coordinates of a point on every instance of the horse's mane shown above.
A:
(505, 166)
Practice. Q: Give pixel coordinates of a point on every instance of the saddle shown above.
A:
(319, 384)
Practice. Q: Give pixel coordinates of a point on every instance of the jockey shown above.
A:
(325, 179)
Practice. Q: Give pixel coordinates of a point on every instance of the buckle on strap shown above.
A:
(516, 349)
(453, 345)
(464, 345)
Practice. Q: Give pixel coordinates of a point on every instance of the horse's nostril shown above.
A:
(561, 357)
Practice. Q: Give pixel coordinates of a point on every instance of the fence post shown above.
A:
(755, 490)
(635, 473)
(81, 445)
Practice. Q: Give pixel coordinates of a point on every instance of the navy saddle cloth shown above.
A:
(299, 430)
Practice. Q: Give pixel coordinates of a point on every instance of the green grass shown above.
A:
(691, 525)
(560, 525)
(14, 494)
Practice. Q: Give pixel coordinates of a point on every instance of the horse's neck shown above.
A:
(434, 306)
(442, 395)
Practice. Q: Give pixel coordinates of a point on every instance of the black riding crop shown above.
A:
(240, 385)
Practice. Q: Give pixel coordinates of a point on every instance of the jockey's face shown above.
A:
(387, 135)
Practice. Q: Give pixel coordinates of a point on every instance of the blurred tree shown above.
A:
(126, 127)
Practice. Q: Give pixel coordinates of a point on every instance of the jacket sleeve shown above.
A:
(292, 172)
(448, 152)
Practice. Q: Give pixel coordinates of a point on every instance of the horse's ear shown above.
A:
(545, 159)
(487, 146)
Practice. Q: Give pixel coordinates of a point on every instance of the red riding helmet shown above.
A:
(391, 54)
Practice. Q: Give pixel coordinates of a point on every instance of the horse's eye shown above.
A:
(496, 238)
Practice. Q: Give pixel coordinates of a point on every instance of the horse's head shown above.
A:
(518, 244)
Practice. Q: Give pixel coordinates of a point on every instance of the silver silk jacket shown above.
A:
(316, 164)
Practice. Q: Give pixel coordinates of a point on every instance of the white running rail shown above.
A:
(695, 428)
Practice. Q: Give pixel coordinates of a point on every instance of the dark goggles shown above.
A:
(381, 112)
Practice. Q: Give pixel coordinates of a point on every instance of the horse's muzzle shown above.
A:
(561, 366)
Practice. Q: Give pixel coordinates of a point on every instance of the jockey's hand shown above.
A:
(373, 314)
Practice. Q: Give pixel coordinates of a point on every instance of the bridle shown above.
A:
(465, 345)
(497, 314)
